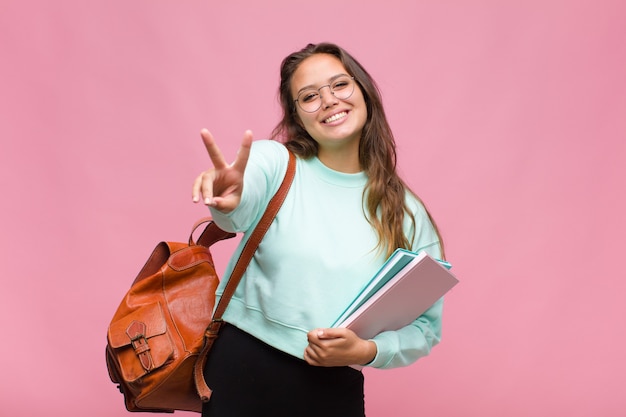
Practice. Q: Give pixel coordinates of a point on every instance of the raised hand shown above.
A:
(221, 186)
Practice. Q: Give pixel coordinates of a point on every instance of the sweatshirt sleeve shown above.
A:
(406, 345)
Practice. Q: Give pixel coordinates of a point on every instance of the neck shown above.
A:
(344, 160)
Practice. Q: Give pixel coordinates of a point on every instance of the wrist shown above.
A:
(370, 352)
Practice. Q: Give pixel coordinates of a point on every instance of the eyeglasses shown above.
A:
(310, 100)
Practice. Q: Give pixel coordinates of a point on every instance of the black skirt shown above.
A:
(250, 378)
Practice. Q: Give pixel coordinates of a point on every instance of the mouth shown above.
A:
(335, 117)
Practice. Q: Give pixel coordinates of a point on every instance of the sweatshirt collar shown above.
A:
(331, 176)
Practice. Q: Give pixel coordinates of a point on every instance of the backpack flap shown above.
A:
(140, 341)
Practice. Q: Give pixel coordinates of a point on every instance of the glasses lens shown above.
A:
(309, 100)
(343, 87)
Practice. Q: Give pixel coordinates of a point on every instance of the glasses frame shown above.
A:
(331, 92)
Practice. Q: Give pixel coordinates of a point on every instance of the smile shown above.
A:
(336, 117)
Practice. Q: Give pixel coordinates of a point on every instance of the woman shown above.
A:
(346, 212)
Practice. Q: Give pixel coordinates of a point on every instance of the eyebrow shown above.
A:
(312, 86)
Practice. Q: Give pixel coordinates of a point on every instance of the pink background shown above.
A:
(510, 118)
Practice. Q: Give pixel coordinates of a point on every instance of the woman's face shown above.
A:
(338, 123)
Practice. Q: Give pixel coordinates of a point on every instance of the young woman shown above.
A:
(346, 212)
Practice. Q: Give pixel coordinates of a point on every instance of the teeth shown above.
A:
(336, 117)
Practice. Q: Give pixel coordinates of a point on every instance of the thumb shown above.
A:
(330, 333)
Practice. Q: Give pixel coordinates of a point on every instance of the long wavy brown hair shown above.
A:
(384, 194)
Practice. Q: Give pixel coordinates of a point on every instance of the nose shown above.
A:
(328, 98)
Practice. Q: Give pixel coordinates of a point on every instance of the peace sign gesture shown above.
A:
(221, 186)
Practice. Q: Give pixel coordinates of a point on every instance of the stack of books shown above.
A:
(405, 287)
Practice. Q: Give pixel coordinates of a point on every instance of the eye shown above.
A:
(308, 96)
(341, 84)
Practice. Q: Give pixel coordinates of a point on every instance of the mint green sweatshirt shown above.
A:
(318, 253)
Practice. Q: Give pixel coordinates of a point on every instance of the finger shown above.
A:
(203, 187)
(195, 189)
(207, 187)
(311, 356)
(214, 151)
(244, 152)
(308, 357)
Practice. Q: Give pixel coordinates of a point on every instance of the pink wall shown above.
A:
(511, 124)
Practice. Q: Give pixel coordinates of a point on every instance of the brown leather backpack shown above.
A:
(162, 331)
